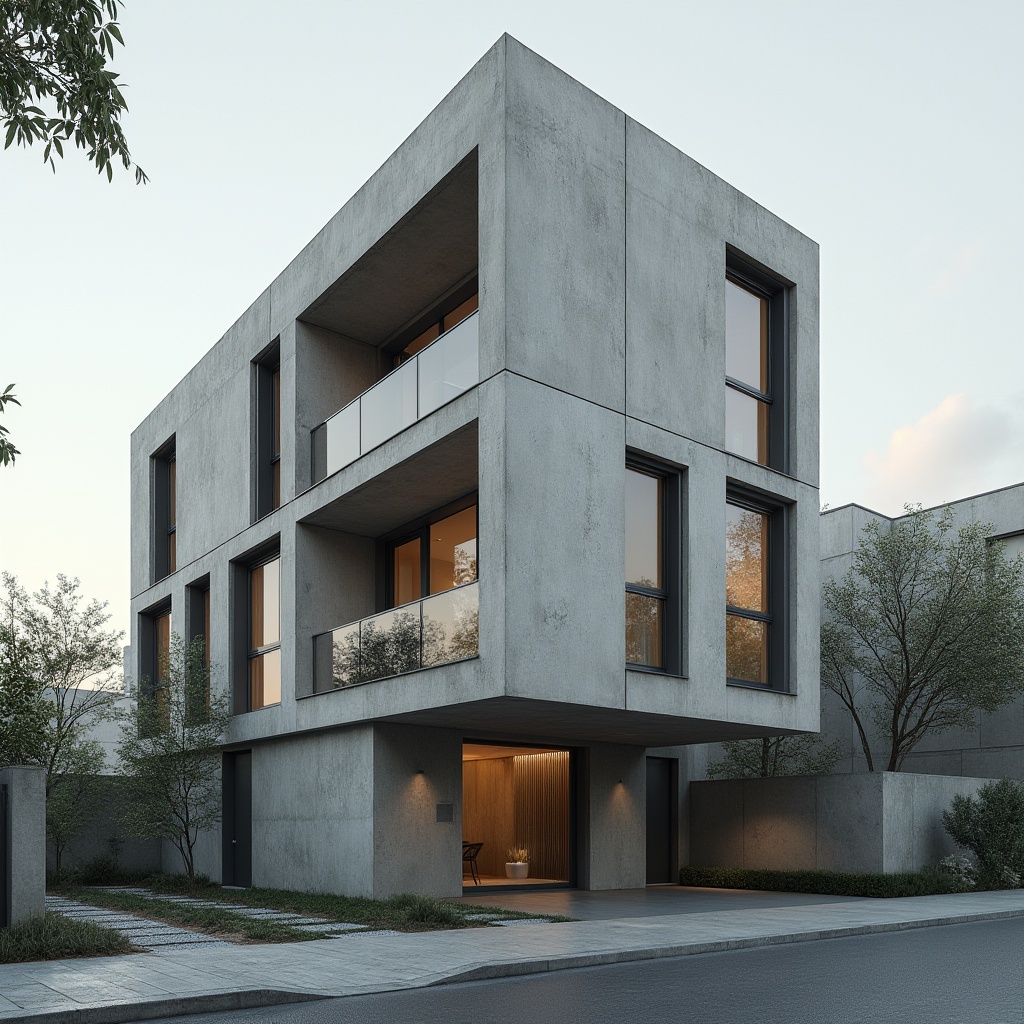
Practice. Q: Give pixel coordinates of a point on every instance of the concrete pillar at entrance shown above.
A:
(25, 842)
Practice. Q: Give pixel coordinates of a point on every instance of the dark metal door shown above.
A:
(659, 820)
(238, 818)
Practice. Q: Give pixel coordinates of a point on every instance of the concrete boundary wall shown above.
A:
(875, 822)
(24, 886)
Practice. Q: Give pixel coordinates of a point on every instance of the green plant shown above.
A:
(991, 826)
(411, 910)
(960, 870)
(518, 855)
(53, 937)
(927, 882)
(775, 755)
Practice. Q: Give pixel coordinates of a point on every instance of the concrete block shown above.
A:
(26, 854)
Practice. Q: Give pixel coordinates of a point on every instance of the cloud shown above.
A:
(952, 451)
(959, 270)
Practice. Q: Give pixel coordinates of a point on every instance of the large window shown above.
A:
(265, 634)
(646, 590)
(755, 355)
(268, 432)
(165, 511)
(437, 324)
(438, 556)
(755, 569)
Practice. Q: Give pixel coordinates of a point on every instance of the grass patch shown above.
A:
(407, 912)
(928, 882)
(54, 937)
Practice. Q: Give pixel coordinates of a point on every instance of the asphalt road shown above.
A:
(972, 973)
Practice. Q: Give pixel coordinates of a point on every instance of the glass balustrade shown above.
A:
(434, 631)
(433, 377)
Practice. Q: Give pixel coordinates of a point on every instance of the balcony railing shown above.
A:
(435, 631)
(431, 378)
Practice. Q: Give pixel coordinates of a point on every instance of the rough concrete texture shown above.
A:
(601, 253)
(26, 854)
(874, 822)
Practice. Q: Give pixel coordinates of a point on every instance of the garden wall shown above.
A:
(873, 822)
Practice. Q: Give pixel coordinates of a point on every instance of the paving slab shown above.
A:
(214, 978)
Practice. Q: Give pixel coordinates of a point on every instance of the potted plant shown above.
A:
(517, 865)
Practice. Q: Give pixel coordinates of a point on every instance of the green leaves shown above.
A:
(57, 50)
(7, 450)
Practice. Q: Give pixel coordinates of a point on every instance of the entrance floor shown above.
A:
(654, 901)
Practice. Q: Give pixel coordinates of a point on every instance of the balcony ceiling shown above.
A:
(430, 250)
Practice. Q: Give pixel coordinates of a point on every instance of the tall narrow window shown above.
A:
(265, 634)
(199, 621)
(165, 511)
(755, 358)
(268, 432)
(646, 594)
(755, 641)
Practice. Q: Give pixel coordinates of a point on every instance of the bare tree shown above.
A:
(775, 755)
(925, 631)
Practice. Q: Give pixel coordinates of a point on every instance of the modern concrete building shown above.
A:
(502, 494)
(994, 746)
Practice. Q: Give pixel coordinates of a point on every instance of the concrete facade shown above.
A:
(601, 254)
(874, 822)
(24, 855)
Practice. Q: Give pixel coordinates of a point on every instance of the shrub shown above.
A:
(928, 882)
(991, 826)
(960, 869)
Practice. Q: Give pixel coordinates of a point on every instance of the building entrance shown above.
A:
(516, 816)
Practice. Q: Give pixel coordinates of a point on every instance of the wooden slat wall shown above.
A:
(542, 812)
(488, 810)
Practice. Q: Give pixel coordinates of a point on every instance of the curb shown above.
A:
(172, 1006)
(518, 968)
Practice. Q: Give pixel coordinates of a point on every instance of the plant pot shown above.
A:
(516, 869)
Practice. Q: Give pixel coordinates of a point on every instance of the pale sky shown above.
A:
(890, 132)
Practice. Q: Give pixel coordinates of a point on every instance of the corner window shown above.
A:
(755, 374)
(755, 577)
(268, 432)
(264, 654)
(165, 511)
(646, 593)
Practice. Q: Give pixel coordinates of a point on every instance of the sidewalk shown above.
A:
(181, 980)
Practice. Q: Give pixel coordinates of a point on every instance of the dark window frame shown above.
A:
(149, 655)
(251, 652)
(267, 370)
(420, 528)
(776, 564)
(673, 569)
(759, 281)
(434, 314)
(164, 513)
(240, 604)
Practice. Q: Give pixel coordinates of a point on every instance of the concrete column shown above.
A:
(25, 884)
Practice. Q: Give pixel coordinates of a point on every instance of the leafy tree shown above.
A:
(775, 755)
(170, 752)
(63, 647)
(7, 450)
(991, 826)
(55, 52)
(924, 631)
(24, 712)
(74, 795)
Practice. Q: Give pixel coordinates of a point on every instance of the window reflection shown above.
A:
(265, 634)
(645, 558)
(748, 612)
(748, 391)
(453, 551)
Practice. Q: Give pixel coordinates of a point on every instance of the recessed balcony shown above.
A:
(436, 630)
(434, 376)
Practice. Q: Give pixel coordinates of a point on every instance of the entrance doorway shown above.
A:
(516, 810)
(661, 817)
(237, 831)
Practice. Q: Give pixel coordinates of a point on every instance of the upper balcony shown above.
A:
(428, 379)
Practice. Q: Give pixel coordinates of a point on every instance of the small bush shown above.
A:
(928, 882)
(991, 826)
(410, 910)
(960, 870)
(53, 937)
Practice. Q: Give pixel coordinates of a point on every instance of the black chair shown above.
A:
(469, 855)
